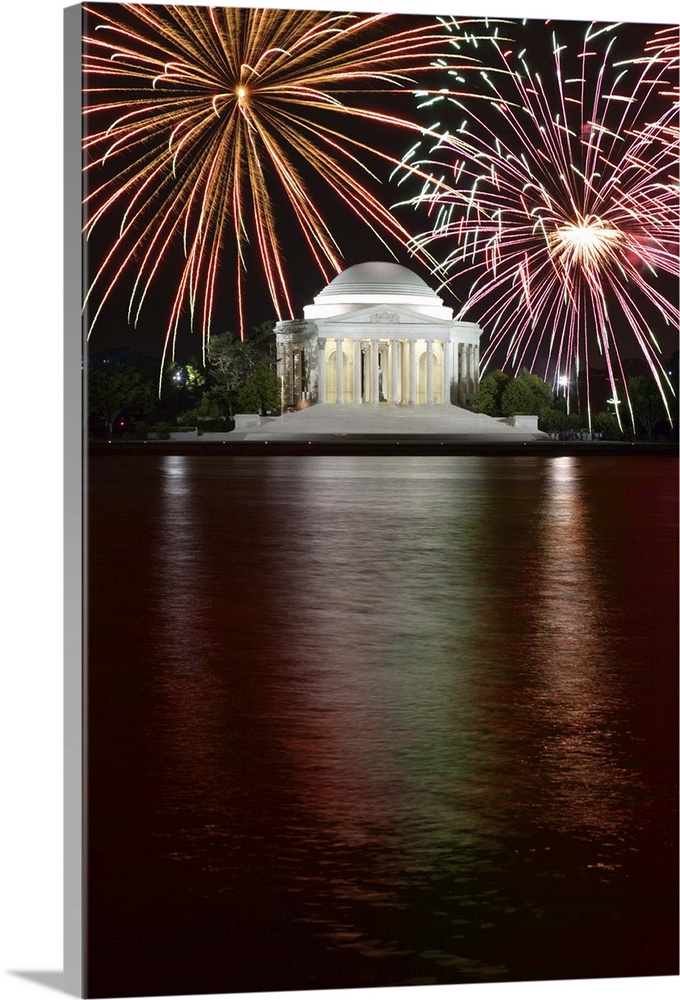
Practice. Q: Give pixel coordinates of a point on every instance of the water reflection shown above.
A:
(578, 693)
(431, 674)
(387, 701)
(218, 716)
(376, 621)
(426, 674)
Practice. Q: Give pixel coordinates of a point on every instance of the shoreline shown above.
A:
(390, 446)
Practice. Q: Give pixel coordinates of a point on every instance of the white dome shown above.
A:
(377, 281)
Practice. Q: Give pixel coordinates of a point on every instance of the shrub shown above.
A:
(608, 426)
(224, 424)
(553, 421)
(208, 410)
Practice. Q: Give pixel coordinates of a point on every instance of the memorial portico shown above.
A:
(378, 334)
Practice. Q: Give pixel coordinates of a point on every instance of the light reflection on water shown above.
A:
(397, 697)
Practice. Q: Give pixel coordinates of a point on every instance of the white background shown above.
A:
(31, 492)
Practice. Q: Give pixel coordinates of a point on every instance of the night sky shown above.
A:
(356, 241)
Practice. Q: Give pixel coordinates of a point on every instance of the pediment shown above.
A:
(378, 315)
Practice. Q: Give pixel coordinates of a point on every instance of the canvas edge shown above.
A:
(73, 508)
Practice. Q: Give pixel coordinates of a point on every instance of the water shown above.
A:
(372, 722)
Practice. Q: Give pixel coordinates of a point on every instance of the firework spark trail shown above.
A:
(560, 204)
(200, 117)
(665, 45)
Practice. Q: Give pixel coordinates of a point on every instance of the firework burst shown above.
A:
(664, 46)
(199, 118)
(557, 197)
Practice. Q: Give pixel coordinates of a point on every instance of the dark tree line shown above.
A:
(124, 390)
(501, 395)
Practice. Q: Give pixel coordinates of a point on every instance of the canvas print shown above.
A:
(380, 333)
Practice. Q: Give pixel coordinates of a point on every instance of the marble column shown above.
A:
(357, 371)
(454, 376)
(463, 373)
(475, 369)
(394, 366)
(411, 372)
(448, 368)
(430, 374)
(285, 376)
(294, 367)
(401, 364)
(375, 392)
(322, 369)
(338, 370)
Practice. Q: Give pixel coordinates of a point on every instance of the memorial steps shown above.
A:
(384, 419)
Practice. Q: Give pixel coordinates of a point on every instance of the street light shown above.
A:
(616, 402)
(563, 383)
(178, 378)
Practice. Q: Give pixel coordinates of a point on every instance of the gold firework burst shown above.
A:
(201, 117)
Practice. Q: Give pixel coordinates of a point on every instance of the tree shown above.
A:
(186, 379)
(490, 392)
(239, 372)
(115, 389)
(262, 391)
(263, 336)
(231, 362)
(208, 410)
(526, 393)
(647, 406)
(553, 420)
(195, 378)
(182, 385)
(607, 425)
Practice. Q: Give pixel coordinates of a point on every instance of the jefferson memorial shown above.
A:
(377, 333)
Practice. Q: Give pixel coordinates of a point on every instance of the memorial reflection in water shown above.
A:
(368, 721)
